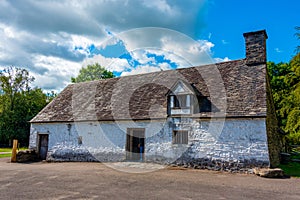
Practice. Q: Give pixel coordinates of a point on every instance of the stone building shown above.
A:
(219, 115)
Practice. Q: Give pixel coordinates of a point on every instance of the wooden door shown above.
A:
(43, 146)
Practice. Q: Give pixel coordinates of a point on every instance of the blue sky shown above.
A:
(54, 39)
(226, 20)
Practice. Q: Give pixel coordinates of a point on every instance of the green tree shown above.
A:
(12, 81)
(285, 83)
(18, 104)
(92, 72)
(293, 103)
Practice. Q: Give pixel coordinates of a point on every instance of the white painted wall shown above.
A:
(238, 139)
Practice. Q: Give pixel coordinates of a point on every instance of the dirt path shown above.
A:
(97, 181)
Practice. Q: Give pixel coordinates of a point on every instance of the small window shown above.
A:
(180, 101)
(180, 137)
(79, 140)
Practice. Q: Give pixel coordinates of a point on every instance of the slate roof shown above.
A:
(144, 96)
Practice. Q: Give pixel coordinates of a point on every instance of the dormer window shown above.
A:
(180, 99)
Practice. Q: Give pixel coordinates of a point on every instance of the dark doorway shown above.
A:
(43, 146)
(135, 142)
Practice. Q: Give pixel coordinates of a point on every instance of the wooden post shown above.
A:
(14, 151)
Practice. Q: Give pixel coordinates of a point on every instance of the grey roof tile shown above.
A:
(143, 96)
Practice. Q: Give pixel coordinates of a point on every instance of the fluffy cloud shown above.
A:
(54, 38)
(140, 70)
(58, 72)
(111, 64)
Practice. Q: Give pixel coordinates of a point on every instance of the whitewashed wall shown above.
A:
(237, 140)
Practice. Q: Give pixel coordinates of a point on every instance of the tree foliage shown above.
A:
(18, 104)
(285, 83)
(92, 72)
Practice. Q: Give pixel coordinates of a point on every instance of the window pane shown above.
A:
(188, 101)
(184, 135)
(182, 101)
(172, 101)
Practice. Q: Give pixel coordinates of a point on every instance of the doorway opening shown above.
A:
(135, 144)
(43, 146)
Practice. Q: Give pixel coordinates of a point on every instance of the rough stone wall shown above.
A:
(99, 141)
(211, 143)
(234, 141)
(256, 47)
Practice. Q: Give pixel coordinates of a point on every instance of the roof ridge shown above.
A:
(157, 72)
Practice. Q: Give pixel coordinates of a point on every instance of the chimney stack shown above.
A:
(256, 47)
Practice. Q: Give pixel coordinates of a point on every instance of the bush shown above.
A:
(293, 138)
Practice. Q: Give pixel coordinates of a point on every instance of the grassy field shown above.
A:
(5, 149)
(6, 152)
(5, 155)
(292, 168)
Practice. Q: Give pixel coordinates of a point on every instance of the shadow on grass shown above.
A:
(291, 169)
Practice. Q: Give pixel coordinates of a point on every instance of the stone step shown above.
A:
(269, 173)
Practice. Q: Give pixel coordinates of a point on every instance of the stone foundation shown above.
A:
(242, 166)
(70, 155)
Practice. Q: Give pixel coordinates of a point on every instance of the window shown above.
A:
(180, 137)
(79, 140)
(180, 101)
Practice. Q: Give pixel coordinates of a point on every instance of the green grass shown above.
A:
(292, 168)
(8, 152)
(5, 155)
(5, 149)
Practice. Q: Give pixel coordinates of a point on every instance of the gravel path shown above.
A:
(98, 181)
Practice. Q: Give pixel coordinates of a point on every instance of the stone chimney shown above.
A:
(256, 47)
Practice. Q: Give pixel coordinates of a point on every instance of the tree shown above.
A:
(293, 99)
(12, 81)
(18, 104)
(92, 72)
(285, 84)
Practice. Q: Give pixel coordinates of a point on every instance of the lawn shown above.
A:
(292, 168)
(8, 152)
(5, 155)
(5, 149)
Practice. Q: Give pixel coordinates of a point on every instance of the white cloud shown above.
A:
(217, 60)
(58, 73)
(170, 43)
(141, 70)
(164, 66)
(162, 6)
(111, 64)
(209, 35)
(278, 50)
(52, 38)
(224, 42)
(141, 57)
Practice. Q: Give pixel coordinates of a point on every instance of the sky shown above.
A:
(53, 39)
